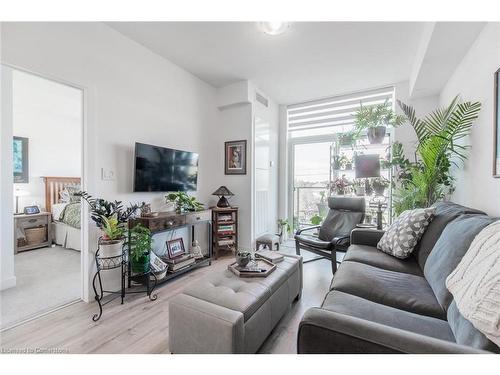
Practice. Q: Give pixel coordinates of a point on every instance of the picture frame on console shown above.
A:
(175, 248)
(235, 157)
(496, 122)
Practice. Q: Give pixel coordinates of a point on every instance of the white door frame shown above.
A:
(85, 258)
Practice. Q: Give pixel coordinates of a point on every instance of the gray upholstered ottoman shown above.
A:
(223, 313)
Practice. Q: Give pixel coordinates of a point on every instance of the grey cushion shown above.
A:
(339, 223)
(362, 308)
(404, 233)
(372, 256)
(314, 241)
(449, 250)
(465, 333)
(445, 212)
(400, 290)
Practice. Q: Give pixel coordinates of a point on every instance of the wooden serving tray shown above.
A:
(262, 263)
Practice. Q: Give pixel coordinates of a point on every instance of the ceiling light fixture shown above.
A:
(274, 27)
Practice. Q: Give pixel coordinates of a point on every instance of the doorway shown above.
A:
(45, 255)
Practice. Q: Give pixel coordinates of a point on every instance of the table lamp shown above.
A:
(222, 193)
(19, 193)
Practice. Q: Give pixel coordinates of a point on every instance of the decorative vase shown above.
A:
(376, 135)
(111, 248)
(141, 265)
(243, 258)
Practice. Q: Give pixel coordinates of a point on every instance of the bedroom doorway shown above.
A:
(46, 118)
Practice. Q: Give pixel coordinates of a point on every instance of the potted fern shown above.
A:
(140, 243)
(110, 218)
(374, 119)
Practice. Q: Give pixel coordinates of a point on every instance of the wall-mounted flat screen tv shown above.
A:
(164, 169)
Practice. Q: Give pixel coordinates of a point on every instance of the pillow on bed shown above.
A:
(68, 194)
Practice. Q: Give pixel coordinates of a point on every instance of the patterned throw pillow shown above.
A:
(405, 232)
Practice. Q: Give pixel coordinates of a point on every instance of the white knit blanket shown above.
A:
(475, 283)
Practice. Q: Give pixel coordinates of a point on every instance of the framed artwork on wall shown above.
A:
(496, 121)
(20, 160)
(235, 159)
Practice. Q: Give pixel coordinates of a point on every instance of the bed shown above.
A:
(65, 210)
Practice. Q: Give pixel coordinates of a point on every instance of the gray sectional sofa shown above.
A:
(380, 304)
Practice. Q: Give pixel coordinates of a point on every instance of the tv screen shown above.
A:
(164, 169)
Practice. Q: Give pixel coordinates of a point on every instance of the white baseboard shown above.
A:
(8, 283)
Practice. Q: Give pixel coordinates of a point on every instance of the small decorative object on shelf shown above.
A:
(175, 248)
(222, 193)
(256, 268)
(243, 257)
(225, 229)
(196, 250)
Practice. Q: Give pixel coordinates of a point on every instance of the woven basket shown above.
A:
(35, 235)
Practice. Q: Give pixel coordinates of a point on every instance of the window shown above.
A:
(332, 115)
(312, 127)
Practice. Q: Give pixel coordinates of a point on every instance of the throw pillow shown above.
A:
(405, 232)
(475, 283)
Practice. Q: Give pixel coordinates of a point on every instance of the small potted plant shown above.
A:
(344, 161)
(110, 218)
(359, 187)
(347, 139)
(283, 226)
(140, 248)
(379, 185)
(183, 202)
(374, 119)
(341, 185)
(243, 257)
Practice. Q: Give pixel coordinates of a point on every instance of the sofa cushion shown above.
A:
(400, 290)
(465, 333)
(372, 256)
(358, 307)
(404, 233)
(445, 213)
(449, 250)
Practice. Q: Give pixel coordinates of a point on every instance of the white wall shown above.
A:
(473, 79)
(49, 114)
(131, 94)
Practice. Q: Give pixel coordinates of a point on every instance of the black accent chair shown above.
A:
(334, 234)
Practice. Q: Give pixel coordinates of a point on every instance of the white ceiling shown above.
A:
(311, 60)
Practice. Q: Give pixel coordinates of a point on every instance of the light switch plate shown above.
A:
(107, 174)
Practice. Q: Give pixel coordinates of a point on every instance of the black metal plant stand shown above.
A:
(109, 263)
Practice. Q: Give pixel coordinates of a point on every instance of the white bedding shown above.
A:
(66, 236)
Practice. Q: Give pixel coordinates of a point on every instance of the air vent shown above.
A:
(261, 99)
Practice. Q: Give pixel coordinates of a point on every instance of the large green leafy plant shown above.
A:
(372, 116)
(440, 145)
(184, 202)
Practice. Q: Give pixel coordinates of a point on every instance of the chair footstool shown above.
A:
(268, 241)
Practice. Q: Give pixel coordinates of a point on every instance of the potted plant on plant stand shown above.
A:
(140, 243)
(374, 119)
(379, 185)
(359, 187)
(341, 185)
(110, 218)
(183, 202)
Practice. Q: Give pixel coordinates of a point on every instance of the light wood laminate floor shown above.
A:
(141, 326)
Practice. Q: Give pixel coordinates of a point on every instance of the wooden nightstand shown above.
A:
(40, 227)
